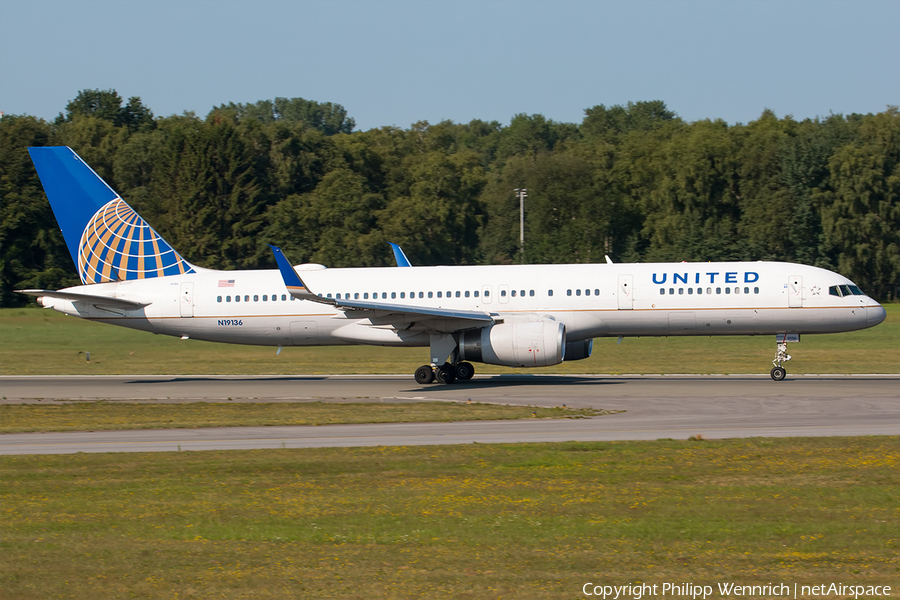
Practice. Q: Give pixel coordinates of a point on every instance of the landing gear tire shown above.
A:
(424, 374)
(778, 373)
(445, 374)
(464, 371)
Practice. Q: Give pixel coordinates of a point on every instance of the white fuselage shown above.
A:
(592, 300)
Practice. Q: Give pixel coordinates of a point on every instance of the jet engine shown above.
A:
(516, 344)
(579, 350)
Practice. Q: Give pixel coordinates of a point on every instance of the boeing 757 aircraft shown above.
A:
(516, 316)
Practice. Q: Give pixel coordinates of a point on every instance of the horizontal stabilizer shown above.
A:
(106, 301)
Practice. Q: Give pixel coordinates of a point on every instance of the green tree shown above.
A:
(32, 251)
(107, 105)
(861, 209)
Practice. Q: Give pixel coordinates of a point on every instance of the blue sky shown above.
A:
(393, 62)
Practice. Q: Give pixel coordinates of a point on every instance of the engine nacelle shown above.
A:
(579, 350)
(516, 344)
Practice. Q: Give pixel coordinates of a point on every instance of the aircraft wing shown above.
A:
(99, 301)
(383, 311)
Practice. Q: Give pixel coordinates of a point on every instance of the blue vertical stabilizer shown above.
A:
(107, 239)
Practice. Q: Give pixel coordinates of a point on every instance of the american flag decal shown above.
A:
(226, 283)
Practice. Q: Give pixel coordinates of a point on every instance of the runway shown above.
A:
(655, 407)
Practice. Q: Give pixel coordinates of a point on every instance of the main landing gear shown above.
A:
(781, 357)
(445, 373)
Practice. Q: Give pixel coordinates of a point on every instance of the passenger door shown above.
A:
(795, 291)
(625, 292)
(186, 300)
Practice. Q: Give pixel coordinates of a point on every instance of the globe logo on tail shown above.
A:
(118, 245)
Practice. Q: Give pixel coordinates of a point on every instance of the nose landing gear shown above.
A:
(781, 356)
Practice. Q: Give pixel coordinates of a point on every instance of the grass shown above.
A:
(97, 416)
(42, 342)
(528, 521)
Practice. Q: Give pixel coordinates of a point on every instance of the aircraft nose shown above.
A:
(875, 313)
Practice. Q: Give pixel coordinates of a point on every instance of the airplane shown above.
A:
(509, 315)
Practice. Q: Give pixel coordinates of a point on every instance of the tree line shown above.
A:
(634, 182)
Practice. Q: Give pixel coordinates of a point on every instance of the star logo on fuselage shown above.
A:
(816, 290)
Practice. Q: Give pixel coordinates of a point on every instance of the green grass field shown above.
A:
(106, 416)
(524, 521)
(42, 342)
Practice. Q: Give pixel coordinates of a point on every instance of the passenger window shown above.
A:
(284, 297)
(502, 293)
(431, 294)
(568, 292)
(531, 292)
(699, 290)
(237, 298)
(457, 293)
(662, 291)
(587, 292)
(384, 295)
(709, 290)
(596, 292)
(475, 293)
(718, 290)
(218, 298)
(549, 292)
(681, 291)
(365, 295)
(328, 295)
(246, 298)
(393, 295)
(578, 292)
(255, 298)
(488, 293)
(403, 294)
(671, 291)
(227, 298)
(737, 290)
(728, 290)
(467, 294)
(356, 295)
(421, 294)
(746, 290)
(513, 293)
(522, 293)
(690, 291)
(439, 294)
(756, 290)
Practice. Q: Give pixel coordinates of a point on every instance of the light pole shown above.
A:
(522, 193)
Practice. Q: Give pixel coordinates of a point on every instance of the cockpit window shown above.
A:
(845, 290)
